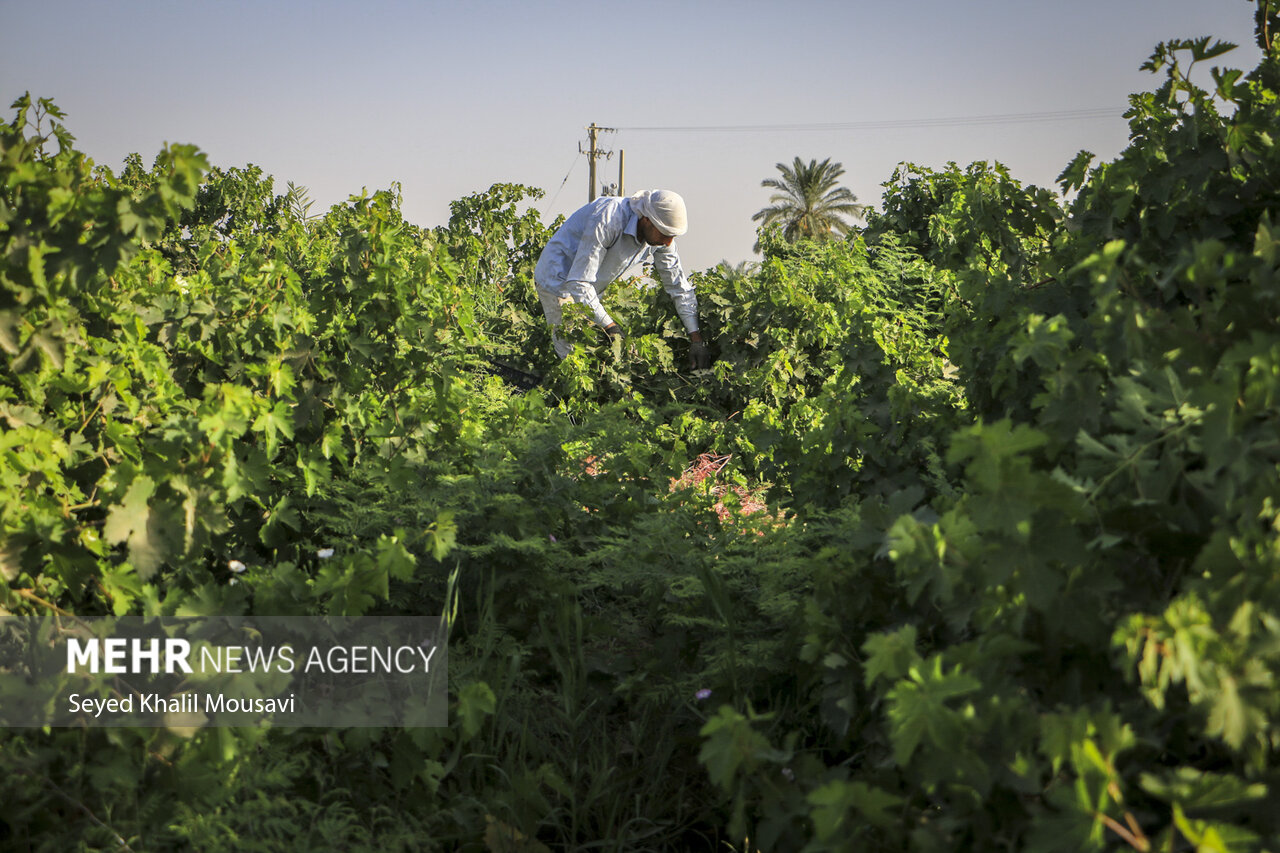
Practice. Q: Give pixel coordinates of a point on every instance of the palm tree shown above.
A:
(808, 203)
(740, 271)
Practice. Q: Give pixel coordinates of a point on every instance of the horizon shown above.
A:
(446, 100)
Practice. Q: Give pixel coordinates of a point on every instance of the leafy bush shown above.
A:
(1015, 585)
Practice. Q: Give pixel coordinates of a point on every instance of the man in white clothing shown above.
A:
(599, 242)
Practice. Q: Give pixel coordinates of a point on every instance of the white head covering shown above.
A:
(664, 208)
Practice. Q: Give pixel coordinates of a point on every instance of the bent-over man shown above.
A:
(599, 242)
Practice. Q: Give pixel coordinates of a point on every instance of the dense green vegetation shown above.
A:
(1017, 584)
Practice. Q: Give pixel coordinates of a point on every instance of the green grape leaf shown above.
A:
(130, 521)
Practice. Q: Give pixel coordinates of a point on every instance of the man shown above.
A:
(599, 242)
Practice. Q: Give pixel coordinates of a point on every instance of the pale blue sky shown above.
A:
(450, 97)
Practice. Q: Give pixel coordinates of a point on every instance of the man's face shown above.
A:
(651, 235)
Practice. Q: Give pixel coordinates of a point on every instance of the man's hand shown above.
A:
(699, 356)
(613, 330)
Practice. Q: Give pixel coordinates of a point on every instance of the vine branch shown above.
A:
(119, 839)
(30, 595)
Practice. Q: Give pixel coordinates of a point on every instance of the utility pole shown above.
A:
(592, 130)
(622, 159)
(593, 153)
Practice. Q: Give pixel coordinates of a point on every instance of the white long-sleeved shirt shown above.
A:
(596, 245)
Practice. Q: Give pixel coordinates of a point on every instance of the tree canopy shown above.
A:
(807, 201)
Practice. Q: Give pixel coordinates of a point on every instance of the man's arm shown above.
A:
(666, 263)
(583, 274)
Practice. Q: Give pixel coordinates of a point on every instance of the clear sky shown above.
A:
(448, 98)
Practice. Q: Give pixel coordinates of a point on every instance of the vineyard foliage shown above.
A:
(1016, 584)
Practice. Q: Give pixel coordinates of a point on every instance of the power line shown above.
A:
(889, 124)
(565, 181)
